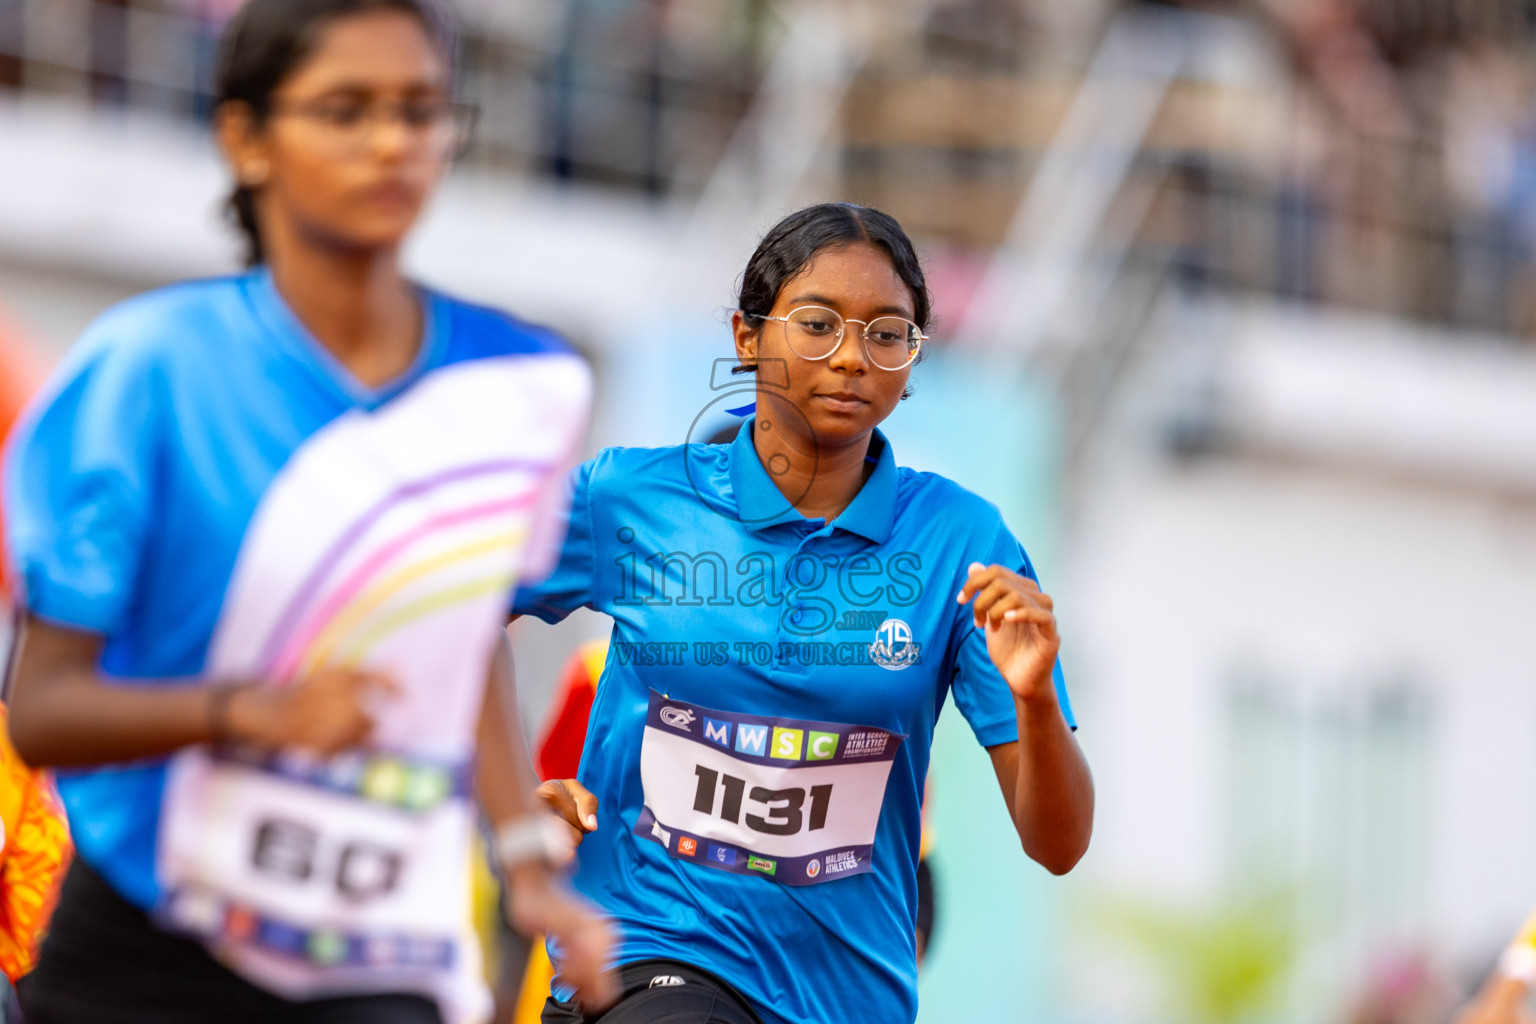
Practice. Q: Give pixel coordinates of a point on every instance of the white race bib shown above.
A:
(793, 801)
(346, 865)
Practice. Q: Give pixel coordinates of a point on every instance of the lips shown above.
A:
(391, 194)
(842, 401)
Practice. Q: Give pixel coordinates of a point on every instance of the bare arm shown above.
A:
(506, 781)
(64, 714)
(1048, 789)
(1044, 777)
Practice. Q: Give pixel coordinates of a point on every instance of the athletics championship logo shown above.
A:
(894, 647)
(677, 718)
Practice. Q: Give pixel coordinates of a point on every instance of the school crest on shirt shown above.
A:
(894, 648)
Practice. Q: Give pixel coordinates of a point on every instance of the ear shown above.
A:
(242, 142)
(746, 337)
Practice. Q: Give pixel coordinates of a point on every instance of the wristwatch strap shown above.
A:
(539, 837)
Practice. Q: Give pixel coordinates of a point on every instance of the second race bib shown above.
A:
(794, 801)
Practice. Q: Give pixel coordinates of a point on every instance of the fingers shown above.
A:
(1037, 617)
(539, 903)
(993, 599)
(333, 709)
(365, 689)
(573, 803)
(377, 682)
(978, 576)
(586, 804)
(587, 941)
(1000, 595)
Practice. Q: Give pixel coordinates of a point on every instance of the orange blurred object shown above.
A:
(20, 375)
(35, 849)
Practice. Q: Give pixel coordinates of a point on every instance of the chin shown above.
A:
(832, 428)
(375, 237)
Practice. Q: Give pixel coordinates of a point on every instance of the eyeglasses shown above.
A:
(348, 123)
(815, 332)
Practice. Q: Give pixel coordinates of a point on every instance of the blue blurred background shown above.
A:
(1236, 307)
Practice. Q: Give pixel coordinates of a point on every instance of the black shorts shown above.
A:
(663, 992)
(103, 962)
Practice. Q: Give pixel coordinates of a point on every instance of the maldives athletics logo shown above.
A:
(894, 647)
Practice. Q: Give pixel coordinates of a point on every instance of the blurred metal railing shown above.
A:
(1057, 298)
(1061, 219)
(610, 97)
(1131, 193)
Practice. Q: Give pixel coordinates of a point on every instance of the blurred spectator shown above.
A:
(1490, 157)
(985, 35)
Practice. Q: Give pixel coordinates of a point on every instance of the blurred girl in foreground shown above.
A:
(265, 530)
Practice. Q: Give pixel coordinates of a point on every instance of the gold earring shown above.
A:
(254, 173)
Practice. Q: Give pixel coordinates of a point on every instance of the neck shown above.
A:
(821, 480)
(355, 303)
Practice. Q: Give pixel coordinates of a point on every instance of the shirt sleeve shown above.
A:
(980, 692)
(79, 481)
(551, 515)
(569, 584)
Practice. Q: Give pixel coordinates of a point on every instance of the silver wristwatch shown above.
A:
(539, 837)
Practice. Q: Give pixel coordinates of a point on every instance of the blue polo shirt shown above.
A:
(737, 620)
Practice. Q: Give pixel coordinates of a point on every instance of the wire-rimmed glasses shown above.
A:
(815, 332)
(348, 123)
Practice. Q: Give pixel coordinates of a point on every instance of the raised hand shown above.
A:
(575, 805)
(1020, 627)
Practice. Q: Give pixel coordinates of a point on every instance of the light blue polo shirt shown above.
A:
(738, 621)
(132, 481)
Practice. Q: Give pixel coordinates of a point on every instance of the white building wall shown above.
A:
(1331, 575)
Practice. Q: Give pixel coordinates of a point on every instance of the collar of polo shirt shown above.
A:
(761, 503)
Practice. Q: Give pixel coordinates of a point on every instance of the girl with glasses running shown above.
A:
(265, 529)
(791, 613)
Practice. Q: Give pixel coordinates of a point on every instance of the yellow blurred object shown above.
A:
(35, 849)
(1519, 959)
(536, 982)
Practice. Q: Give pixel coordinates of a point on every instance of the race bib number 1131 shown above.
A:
(793, 801)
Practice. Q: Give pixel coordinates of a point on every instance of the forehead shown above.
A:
(855, 274)
(375, 50)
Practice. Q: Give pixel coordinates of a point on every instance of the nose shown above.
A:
(388, 135)
(849, 355)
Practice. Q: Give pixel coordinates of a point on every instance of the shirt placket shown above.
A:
(813, 537)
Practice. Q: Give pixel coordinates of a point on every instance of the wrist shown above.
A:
(246, 715)
(530, 891)
(528, 878)
(216, 711)
(537, 839)
(1036, 697)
